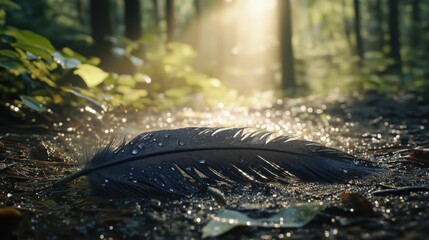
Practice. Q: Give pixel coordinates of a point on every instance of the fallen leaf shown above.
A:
(294, 216)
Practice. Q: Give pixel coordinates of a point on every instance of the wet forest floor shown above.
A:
(391, 132)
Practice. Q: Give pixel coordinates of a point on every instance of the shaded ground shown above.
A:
(373, 127)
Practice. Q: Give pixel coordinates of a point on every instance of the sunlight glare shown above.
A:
(257, 7)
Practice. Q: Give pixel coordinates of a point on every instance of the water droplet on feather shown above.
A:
(135, 151)
(202, 160)
(180, 142)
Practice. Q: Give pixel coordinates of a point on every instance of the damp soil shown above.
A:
(390, 132)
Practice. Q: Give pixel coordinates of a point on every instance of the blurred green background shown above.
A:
(98, 55)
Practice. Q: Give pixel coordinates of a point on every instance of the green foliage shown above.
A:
(176, 80)
(166, 78)
(39, 76)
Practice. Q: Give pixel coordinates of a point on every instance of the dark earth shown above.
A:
(391, 132)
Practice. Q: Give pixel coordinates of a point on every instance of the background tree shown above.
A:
(415, 24)
(156, 15)
(358, 34)
(133, 19)
(379, 23)
(101, 29)
(171, 23)
(286, 48)
(394, 41)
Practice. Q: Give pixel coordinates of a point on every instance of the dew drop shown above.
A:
(140, 146)
(166, 136)
(356, 162)
(180, 142)
(344, 171)
(135, 151)
(160, 144)
(202, 160)
(9, 195)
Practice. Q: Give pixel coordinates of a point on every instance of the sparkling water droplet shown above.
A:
(141, 145)
(344, 171)
(173, 168)
(180, 142)
(135, 151)
(160, 144)
(188, 169)
(171, 190)
(202, 160)
(166, 136)
(106, 180)
(134, 181)
(356, 162)
(142, 170)
(9, 195)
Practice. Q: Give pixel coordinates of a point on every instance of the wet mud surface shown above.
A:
(390, 132)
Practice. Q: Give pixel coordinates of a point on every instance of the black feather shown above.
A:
(184, 161)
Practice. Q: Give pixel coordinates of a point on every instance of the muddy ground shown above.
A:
(391, 132)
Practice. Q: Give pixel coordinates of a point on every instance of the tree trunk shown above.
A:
(416, 19)
(80, 11)
(286, 48)
(359, 43)
(101, 26)
(347, 27)
(171, 23)
(394, 41)
(156, 15)
(133, 18)
(379, 24)
(197, 30)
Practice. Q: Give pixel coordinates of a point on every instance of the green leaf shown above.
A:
(32, 103)
(92, 75)
(9, 53)
(37, 51)
(25, 37)
(10, 64)
(69, 53)
(294, 216)
(8, 4)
